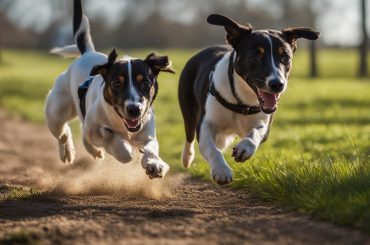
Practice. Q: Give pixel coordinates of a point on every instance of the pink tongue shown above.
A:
(270, 100)
(132, 123)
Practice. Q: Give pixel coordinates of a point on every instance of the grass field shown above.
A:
(317, 158)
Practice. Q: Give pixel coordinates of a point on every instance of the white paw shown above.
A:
(155, 168)
(188, 154)
(244, 150)
(67, 152)
(222, 175)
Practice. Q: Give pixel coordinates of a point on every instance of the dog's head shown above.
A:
(131, 85)
(263, 57)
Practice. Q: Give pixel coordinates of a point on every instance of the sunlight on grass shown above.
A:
(17, 193)
(316, 159)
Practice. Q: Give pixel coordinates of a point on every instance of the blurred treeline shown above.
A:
(154, 23)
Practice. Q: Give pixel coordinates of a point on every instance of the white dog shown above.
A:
(114, 104)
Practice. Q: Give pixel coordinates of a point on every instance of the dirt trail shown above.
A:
(105, 203)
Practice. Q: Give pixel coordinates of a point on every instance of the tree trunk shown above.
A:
(313, 59)
(312, 44)
(363, 71)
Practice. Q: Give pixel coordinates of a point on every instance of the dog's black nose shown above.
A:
(133, 111)
(276, 85)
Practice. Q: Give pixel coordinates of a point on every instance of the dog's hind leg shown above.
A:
(99, 137)
(191, 113)
(58, 111)
(95, 152)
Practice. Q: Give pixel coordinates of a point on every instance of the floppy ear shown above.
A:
(104, 69)
(159, 63)
(292, 34)
(235, 31)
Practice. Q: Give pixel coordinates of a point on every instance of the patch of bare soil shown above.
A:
(110, 203)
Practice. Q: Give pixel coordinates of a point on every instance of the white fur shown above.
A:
(69, 51)
(188, 154)
(62, 105)
(134, 98)
(85, 27)
(276, 72)
(220, 126)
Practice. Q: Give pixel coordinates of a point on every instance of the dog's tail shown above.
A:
(81, 32)
(81, 29)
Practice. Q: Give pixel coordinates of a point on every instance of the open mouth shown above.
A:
(268, 101)
(133, 125)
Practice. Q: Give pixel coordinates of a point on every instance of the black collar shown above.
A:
(240, 107)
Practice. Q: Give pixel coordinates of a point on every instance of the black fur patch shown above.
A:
(77, 16)
(81, 42)
(82, 90)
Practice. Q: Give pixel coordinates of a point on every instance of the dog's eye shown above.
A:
(285, 59)
(254, 59)
(146, 84)
(116, 84)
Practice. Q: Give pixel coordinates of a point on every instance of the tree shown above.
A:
(302, 13)
(363, 71)
(313, 45)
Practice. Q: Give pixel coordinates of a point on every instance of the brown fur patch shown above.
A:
(139, 78)
(281, 50)
(121, 79)
(261, 50)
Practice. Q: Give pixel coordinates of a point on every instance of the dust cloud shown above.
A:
(106, 177)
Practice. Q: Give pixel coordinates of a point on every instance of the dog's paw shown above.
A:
(188, 154)
(222, 175)
(244, 150)
(96, 153)
(67, 151)
(156, 168)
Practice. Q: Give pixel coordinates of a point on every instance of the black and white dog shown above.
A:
(114, 104)
(228, 91)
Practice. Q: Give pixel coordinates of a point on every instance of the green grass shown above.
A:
(317, 158)
(20, 237)
(8, 192)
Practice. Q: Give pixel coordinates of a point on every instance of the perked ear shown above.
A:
(235, 31)
(292, 34)
(159, 63)
(104, 69)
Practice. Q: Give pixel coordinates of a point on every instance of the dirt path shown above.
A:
(106, 203)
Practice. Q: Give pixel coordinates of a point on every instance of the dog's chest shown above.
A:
(230, 122)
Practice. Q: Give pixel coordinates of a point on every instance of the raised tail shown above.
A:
(81, 32)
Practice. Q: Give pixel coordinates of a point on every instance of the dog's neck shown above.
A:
(222, 84)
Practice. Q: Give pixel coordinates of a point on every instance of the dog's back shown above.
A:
(194, 84)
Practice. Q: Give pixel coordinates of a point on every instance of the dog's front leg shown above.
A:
(248, 145)
(154, 166)
(220, 170)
